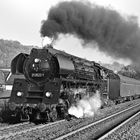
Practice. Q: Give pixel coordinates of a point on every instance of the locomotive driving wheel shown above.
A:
(53, 114)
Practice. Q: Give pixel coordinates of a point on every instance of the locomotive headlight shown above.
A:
(19, 94)
(48, 94)
(36, 60)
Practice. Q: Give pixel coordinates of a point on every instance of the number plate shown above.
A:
(37, 74)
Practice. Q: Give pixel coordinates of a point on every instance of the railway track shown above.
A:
(109, 135)
(7, 131)
(22, 128)
(75, 129)
(99, 128)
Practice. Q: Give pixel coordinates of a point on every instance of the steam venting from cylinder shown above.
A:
(115, 35)
(86, 107)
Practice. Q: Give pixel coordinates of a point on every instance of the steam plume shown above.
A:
(86, 107)
(116, 35)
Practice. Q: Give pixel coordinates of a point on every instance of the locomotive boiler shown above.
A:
(54, 80)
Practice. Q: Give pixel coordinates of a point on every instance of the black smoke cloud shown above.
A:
(116, 35)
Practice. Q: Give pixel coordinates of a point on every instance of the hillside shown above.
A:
(9, 49)
(130, 71)
(114, 66)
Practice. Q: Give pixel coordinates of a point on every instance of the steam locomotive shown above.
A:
(54, 80)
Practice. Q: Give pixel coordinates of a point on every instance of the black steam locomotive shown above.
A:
(54, 80)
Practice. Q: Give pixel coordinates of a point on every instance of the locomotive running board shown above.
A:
(81, 81)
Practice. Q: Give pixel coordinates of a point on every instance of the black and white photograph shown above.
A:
(69, 70)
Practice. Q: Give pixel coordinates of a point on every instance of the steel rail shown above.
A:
(119, 126)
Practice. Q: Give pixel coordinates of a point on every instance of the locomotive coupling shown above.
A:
(42, 107)
(12, 106)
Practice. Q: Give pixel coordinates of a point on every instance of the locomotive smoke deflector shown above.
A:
(65, 64)
(17, 63)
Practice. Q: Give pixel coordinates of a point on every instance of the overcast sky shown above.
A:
(21, 20)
